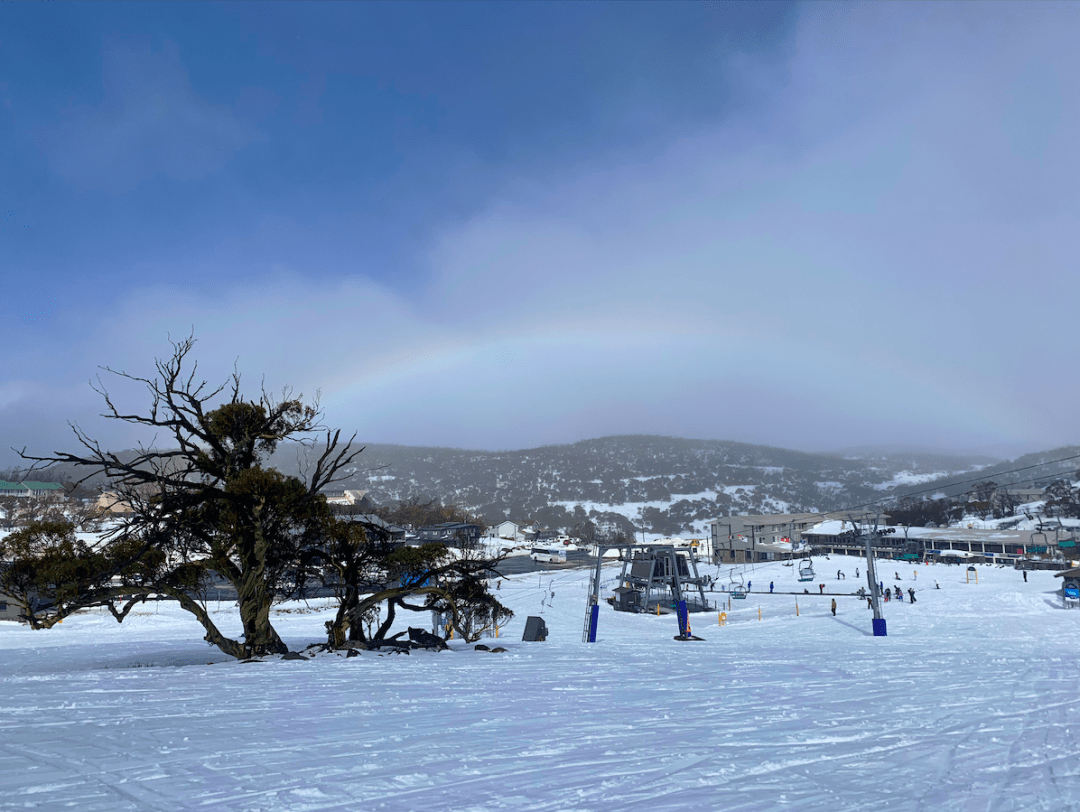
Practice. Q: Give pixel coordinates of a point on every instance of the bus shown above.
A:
(548, 555)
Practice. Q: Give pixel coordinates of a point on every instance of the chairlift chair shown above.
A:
(806, 570)
(737, 588)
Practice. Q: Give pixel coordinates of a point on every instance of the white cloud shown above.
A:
(882, 251)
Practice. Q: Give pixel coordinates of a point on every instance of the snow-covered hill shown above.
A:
(668, 485)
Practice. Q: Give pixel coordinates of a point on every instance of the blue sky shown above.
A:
(501, 225)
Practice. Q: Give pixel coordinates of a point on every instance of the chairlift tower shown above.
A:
(870, 536)
(653, 576)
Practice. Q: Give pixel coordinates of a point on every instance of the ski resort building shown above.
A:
(342, 496)
(27, 489)
(767, 537)
(454, 534)
(9, 608)
(948, 542)
(512, 531)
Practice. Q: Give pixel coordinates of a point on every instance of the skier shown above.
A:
(888, 594)
(1025, 576)
(770, 586)
(856, 572)
(838, 575)
(748, 585)
(911, 594)
(900, 594)
(821, 589)
(834, 607)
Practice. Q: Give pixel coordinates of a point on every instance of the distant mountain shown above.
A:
(667, 485)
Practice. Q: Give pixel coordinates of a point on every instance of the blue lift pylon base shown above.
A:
(594, 620)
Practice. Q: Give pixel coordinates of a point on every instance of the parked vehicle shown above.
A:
(549, 555)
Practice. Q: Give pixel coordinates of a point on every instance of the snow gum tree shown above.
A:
(206, 506)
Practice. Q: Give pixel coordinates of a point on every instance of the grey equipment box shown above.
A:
(535, 630)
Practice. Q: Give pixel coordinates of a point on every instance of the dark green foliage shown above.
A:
(51, 573)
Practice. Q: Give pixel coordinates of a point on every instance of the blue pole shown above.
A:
(594, 620)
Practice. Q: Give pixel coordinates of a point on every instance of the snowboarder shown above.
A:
(937, 585)
(821, 589)
(888, 594)
(900, 594)
(911, 594)
(834, 607)
(838, 575)
(897, 575)
(770, 586)
(856, 572)
(749, 584)
(1025, 576)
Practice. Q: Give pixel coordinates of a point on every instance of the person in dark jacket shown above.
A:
(911, 594)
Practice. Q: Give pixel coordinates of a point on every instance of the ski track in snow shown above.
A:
(971, 703)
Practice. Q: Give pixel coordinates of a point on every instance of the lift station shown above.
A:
(655, 578)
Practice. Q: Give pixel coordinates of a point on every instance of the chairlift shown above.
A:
(737, 588)
(806, 570)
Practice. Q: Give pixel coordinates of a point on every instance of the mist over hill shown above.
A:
(665, 485)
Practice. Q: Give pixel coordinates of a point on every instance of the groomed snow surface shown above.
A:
(971, 703)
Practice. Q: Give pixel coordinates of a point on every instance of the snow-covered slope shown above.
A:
(971, 702)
